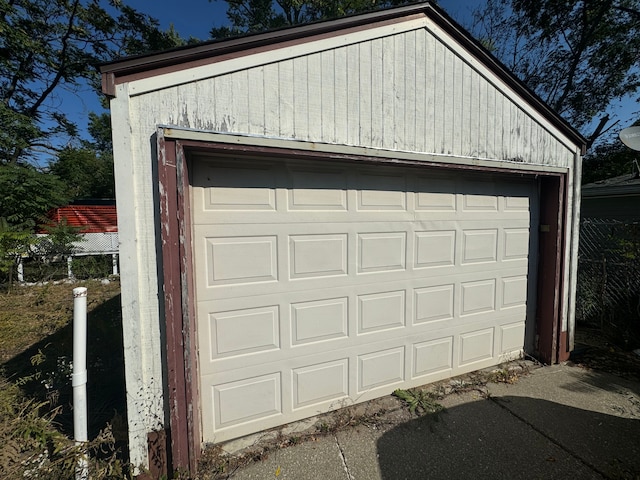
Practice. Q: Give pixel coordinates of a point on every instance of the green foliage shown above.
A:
(419, 401)
(13, 246)
(100, 131)
(247, 16)
(608, 160)
(28, 194)
(577, 56)
(32, 446)
(85, 172)
(49, 46)
(58, 242)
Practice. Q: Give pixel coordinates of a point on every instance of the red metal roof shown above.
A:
(88, 218)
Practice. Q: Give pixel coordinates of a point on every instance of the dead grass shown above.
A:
(29, 314)
(35, 362)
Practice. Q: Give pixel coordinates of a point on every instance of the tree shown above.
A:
(85, 172)
(578, 56)
(248, 16)
(14, 245)
(49, 46)
(607, 160)
(28, 194)
(88, 170)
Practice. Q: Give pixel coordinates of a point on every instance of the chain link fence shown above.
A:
(608, 295)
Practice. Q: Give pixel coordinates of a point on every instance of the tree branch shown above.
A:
(61, 69)
(599, 130)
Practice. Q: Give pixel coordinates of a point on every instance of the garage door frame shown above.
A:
(183, 445)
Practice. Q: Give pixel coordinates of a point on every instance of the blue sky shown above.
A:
(197, 17)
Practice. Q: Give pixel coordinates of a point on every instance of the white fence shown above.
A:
(91, 244)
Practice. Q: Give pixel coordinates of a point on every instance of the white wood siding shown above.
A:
(407, 91)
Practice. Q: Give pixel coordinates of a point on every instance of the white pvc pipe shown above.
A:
(79, 377)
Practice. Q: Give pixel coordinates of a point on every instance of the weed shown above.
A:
(34, 448)
(419, 401)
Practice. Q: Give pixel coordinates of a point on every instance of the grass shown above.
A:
(35, 391)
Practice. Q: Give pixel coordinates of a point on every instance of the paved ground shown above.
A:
(555, 422)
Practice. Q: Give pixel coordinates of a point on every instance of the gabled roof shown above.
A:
(145, 66)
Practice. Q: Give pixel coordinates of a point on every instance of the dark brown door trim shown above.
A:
(553, 207)
(180, 325)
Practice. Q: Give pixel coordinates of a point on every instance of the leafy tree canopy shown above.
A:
(28, 194)
(86, 174)
(578, 56)
(49, 46)
(608, 160)
(88, 170)
(248, 16)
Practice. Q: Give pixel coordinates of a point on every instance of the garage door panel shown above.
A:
(432, 357)
(318, 286)
(241, 260)
(324, 317)
(233, 187)
(263, 347)
(320, 383)
(316, 189)
(310, 384)
(434, 248)
(318, 273)
(476, 346)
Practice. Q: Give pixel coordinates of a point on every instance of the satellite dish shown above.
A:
(631, 137)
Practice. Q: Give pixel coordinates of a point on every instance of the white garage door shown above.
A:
(318, 285)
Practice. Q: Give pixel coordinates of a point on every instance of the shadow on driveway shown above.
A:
(512, 437)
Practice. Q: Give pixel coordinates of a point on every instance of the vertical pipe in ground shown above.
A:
(79, 378)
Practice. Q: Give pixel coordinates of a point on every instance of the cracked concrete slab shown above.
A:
(557, 422)
(593, 415)
(320, 458)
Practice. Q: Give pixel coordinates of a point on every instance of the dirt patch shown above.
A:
(595, 351)
(36, 345)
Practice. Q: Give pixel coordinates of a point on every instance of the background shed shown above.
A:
(319, 215)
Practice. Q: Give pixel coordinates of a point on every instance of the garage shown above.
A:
(319, 286)
(317, 216)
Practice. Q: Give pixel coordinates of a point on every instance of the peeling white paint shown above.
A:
(401, 91)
